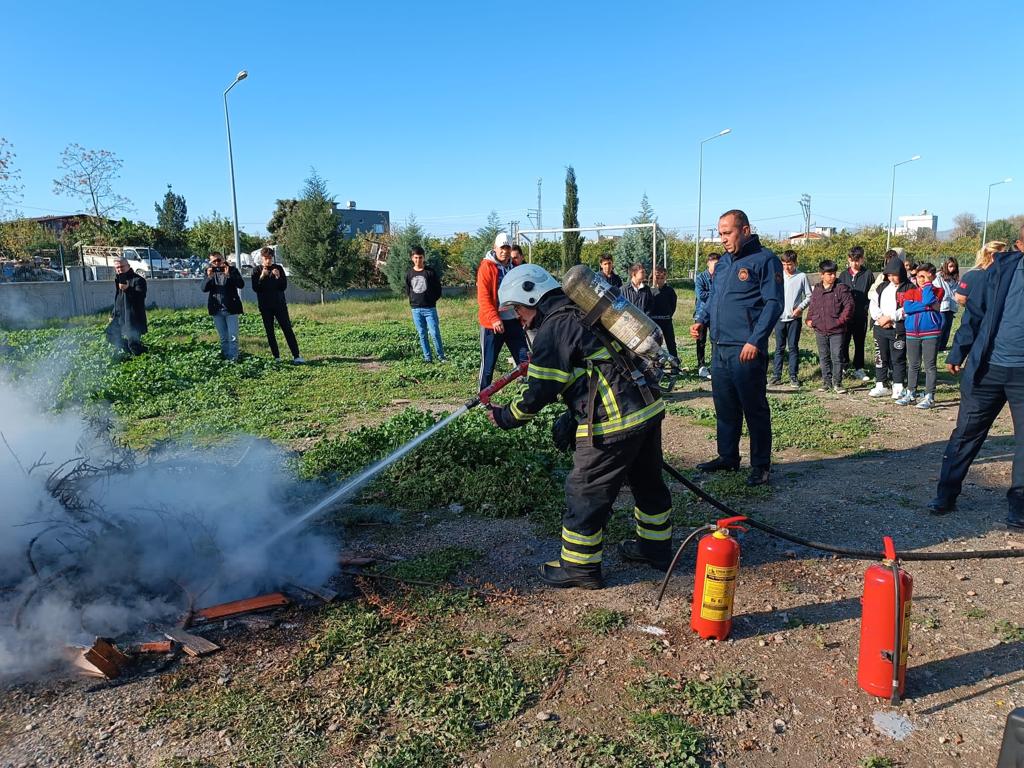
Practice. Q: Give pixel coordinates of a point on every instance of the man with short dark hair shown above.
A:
(663, 307)
(636, 291)
(989, 352)
(608, 271)
(517, 256)
(745, 303)
(828, 314)
(859, 280)
(796, 292)
(128, 317)
(423, 287)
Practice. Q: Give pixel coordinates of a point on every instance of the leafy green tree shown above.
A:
(572, 242)
(21, 238)
(210, 233)
(481, 242)
(636, 245)
(127, 232)
(314, 250)
(279, 218)
(403, 240)
(171, 214)
(1003, 229)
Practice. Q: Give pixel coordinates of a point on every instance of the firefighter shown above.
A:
(616, 433)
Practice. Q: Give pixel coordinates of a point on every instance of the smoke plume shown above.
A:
(95, 540)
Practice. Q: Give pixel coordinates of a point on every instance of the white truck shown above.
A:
(145, 261)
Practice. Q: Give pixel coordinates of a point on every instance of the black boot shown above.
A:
(759, 476)
(941, 505)
(559, 574)
(718, 465)
(1015, 511)
(639, 551)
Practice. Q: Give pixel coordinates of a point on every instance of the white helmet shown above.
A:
(525, 285)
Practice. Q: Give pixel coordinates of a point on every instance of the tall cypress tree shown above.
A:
(171, 214)
(572, 242)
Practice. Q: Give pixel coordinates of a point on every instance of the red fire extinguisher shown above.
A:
(714, 586)
(884, 631)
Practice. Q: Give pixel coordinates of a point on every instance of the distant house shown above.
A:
(56, 225)
(352, 221)
(816, 235)
(912, 225)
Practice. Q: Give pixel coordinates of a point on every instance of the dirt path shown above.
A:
(796, 629)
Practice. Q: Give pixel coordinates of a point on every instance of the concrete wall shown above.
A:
(32, 304)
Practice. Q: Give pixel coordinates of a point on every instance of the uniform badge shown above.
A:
(743, 274)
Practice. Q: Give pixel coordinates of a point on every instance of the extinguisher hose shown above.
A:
(675, 560)
(851, 552)
(897, 643)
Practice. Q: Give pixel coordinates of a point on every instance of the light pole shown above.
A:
(700, 191)
(984, 230)
(892, 195)
(231, 167)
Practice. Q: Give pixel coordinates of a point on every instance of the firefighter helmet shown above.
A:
(525, 285)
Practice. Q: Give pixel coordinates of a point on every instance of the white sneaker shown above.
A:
(897, 391)
(906, 398)
(859, 374)
(704, 373)
(298, 361)
(926, 402)
(879, 390)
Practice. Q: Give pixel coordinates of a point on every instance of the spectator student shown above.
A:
(859, 280)
(269, 283)
(988, 353)
(608, 271)
(702, 289)
(889, 332)
(745, 304)
(222, 283)
(636, 290)
(663, 308)
(498, 328)
(423, 287)
(829, 313)
(796, 296)
(923, 324)
(948, 305)
(128, 318)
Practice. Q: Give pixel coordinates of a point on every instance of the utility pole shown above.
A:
(535, 214)
(805, 205)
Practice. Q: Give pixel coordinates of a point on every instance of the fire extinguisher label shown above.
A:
(719, 588)
(905, 634)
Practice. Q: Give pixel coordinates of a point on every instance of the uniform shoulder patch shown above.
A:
(743, 274)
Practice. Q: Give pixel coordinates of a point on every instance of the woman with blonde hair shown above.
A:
(972, 282)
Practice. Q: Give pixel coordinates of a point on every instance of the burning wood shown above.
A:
(102, 659)
(156, 646)
(193, 645)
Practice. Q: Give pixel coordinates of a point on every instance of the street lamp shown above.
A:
(231, 167)
(700, 190)
(988, 202)
(892, 196)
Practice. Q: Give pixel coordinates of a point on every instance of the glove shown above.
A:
(563, 432)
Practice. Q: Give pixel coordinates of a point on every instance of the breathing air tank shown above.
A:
(631, 327)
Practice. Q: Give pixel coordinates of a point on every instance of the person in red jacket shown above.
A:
(497, 328)
(829, 313)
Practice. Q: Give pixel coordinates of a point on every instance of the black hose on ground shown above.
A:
(857, 554)
(675, 560)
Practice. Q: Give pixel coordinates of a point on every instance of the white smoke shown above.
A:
(135, 541)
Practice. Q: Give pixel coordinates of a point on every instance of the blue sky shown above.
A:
(450, 110)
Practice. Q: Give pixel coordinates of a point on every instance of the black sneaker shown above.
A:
(718, 464)
(554, 574)
(775, 382)
(1015, 520)
(759, 476)
(634, 551)
(941, 506)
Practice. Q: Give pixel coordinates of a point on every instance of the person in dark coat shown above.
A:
(859, 280)
(663, 307)
(636, 291)
(268, 283)
(829, 314)
(608, 271)
(128, 318)
(223, 282)
(988, 354)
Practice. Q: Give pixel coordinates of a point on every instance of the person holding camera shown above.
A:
(268, 283)
(128, 317)
(223, 303)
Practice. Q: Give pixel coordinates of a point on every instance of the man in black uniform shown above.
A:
(616, 431)
(858, 279)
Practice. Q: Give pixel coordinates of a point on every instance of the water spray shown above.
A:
(356, 483)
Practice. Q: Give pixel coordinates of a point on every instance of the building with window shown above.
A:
(353, 221)
(910, 226)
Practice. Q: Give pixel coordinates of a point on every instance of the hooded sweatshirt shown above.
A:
(884, 298)
(488, 278)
